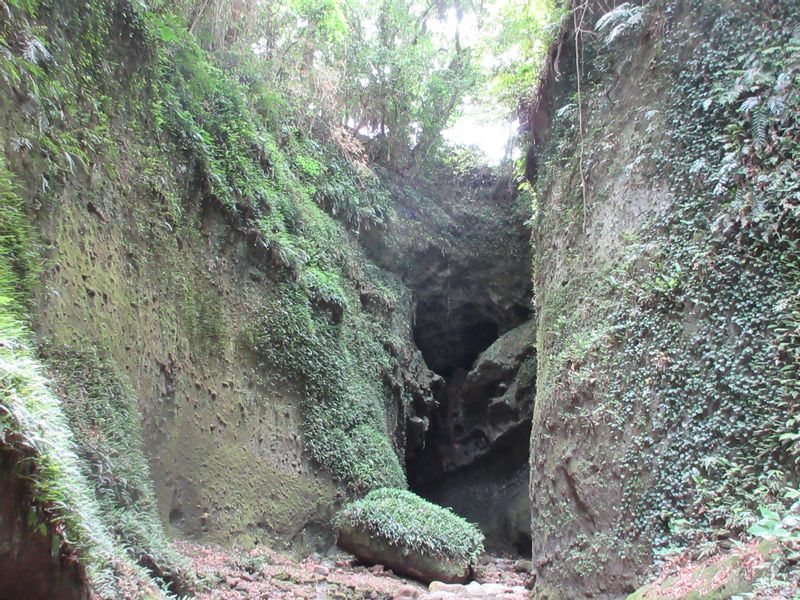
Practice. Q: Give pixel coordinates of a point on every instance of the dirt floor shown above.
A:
(263, 573)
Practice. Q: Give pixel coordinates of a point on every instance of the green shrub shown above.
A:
(404, 519)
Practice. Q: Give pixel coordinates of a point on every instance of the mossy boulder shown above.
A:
(409, 535)
(718, 578)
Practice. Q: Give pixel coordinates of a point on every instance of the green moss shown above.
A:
(339, 366)
(202, 313)
(105, 423)
(403, 519)
(678, 335)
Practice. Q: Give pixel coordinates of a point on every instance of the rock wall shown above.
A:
(177, 309)
(203, 290)
(214, 419)
(665, 265)
(463, 248)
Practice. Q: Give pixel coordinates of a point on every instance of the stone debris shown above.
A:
(266, 574)
(523, 566)
(453, 591)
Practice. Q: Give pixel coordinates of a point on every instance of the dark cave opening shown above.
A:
(522, 544)
(452, 338)
(467, 435)
(473, 453)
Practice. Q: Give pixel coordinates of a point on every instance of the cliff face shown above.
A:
(222, 358)
(231, 326)
(235, 326)
(666, 286)
(168, 313)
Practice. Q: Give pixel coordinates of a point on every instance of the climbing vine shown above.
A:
(692, 348)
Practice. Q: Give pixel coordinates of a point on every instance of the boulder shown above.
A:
(410, 563)
(409, 535)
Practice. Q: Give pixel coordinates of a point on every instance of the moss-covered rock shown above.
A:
(399, 529)
(718, 578)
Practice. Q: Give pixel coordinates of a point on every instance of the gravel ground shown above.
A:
(264, 574)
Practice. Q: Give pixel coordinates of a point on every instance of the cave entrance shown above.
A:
(467, 441)
(450, 339)
(473, 457)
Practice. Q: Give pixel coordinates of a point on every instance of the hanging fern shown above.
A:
(35, 52)
(623, 20)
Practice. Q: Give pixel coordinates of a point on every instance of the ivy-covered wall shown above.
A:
(666, 287)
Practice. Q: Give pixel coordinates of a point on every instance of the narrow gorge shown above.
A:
(286, 313)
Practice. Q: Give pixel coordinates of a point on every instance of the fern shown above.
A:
(777, 105)
(749, 104)
(760, 125)
(622, 20)
(36, 53)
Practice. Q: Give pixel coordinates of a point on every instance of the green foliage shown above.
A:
(404, 519)
(392, 71)
(104, 421)
(33, 421)
(779, 526)
(621, 21)
(772, 525)
(688, 340)
(206, 113)
(339, 367)
(240, 163)
(18, 252)
(28, 7)
(358, 199)
(522, 34)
